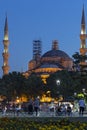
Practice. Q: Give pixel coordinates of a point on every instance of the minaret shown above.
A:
(83, 35)
(5, 53)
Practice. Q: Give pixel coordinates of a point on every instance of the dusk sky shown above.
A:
(44, 20)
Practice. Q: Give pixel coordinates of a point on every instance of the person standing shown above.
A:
(30, 107)
(36, 106)
(69, 110)
(81, 106)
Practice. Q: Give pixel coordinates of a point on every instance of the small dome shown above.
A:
(56, 53)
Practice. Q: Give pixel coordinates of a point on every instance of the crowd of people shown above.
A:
(34, 107)
(16, 108)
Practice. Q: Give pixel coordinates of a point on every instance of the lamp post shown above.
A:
(58, 84)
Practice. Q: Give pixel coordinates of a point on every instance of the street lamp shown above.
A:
(75, 93)
(58, 82)
(83, 90)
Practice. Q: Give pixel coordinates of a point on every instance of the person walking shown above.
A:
(4, 109)
(81, 106)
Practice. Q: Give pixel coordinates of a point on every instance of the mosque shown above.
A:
(51, 61)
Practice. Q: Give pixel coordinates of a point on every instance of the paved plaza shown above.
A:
(73, 118)
(40, 114)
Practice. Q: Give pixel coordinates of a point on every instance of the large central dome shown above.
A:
(56, 53)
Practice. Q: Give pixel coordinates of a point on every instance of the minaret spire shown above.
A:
(83, 35)
(83, 16)
(5, 53)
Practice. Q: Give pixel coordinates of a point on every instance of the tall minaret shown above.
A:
(5, 53)
(83, 35)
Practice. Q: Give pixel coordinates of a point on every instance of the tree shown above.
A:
(65, 87)
(78, 60)
(34, 86)
(70, 82)
(13, 84)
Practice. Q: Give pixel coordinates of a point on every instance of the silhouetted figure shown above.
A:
(58, 111)
(69, 110)
(14, 108)
(18, 109)
(30, 107)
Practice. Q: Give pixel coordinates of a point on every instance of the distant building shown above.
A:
(50, 62)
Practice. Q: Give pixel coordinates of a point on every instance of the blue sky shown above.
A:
(46, 20)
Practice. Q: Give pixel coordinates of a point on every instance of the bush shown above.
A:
(40, 124)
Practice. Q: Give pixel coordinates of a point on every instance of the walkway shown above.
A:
(40, 114)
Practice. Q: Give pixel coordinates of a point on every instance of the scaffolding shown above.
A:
(37, 48)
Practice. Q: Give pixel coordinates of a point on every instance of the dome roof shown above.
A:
(56, 53)
(51, 65)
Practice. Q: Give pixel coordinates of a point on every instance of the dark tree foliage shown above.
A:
(15, 84)
(77, 60)
(70, 82)
(34, 86)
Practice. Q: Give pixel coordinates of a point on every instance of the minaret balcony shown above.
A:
(83, 51)
(5, 55)
(83, 63)
(6, 42)
(83, 36)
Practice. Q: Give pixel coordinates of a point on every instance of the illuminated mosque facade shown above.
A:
(52, 61)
